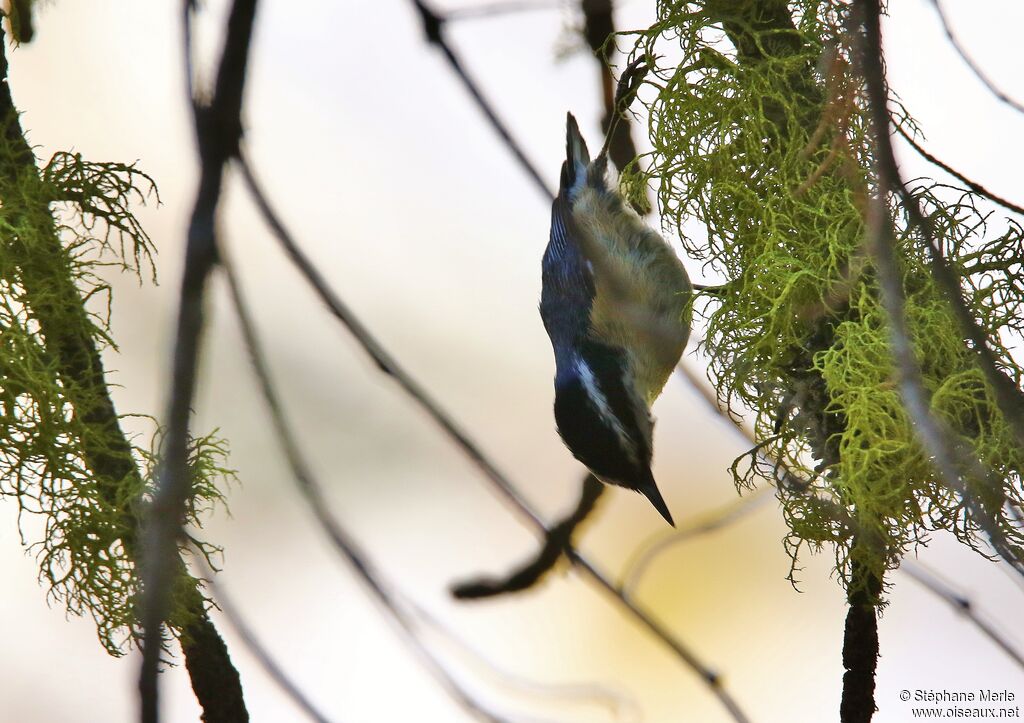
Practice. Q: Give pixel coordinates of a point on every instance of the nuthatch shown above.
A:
(614, 303)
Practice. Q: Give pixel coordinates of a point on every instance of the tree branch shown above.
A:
(973, 185)
(312, 492)
(557, 543)
(975, 68)
(433, 28)
(218, 129)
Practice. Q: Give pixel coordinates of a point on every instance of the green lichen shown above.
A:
(63, 457)
(760, 132)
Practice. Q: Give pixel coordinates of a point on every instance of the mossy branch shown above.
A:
(763, 133)
(799, 335)
(63, 452)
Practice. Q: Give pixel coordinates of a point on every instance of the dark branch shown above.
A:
(218, 129)
(860, 640)
(598, 30)
(433, 28)
(973, 185)
(557, 543)
(969, 61)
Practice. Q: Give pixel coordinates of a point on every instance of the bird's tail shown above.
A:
(577, 158)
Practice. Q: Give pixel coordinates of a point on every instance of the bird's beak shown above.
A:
(650, 491)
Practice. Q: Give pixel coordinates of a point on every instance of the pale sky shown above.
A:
(391, 180)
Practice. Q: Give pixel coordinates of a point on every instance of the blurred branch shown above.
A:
(969, 61)
(312, 493)
(962, 604)
(973, 185)
(618, 704)
(218, 128)
(946, 450)
(433, 27)
(252, 643)
(710, 677)
(599, 31)
(711, 521)
(388, 365)
(384, 361)
(557, 542)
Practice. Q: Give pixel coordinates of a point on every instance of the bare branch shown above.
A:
(618, 704)
(433, 27)
(973, 185)
(557, 542)
(975, 68)
(312, 493)
(501, 9)
(712, 521)
(384, 361)
(253, 644)
(712, 679)
(962, 604)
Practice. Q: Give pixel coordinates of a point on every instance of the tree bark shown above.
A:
(860, 642)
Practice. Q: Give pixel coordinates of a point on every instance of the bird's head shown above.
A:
(605, 422)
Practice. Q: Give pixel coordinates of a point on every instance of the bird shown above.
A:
(615, 305)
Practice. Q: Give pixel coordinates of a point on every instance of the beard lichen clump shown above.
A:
(760, 132)
(63, 457)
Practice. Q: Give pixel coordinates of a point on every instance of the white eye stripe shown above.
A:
(604, 410)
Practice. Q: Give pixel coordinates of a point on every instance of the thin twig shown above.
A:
(245, 633)
(975, 68)
(502, 484)
(712, 679)
(433, 28)
(962, 604)
(716, 519)
(312, 493)
(618, 704)
(218, 128)
(973, 185)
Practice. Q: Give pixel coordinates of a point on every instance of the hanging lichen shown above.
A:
(62, 454)
(760, 132)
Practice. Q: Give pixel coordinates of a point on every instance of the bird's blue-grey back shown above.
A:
(567, 291)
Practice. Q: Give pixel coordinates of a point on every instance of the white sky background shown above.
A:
(391, 180)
